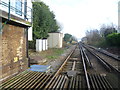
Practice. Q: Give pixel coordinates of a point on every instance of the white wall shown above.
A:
(30, 34)
(55, 40)
(46, 41)
(41, 45)
(38, 45)
(61, 40)
(30, 31)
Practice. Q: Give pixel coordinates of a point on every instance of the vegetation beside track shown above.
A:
(106, 37)
(48, 55)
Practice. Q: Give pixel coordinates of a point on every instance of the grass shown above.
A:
(53, 53)
(51, 57)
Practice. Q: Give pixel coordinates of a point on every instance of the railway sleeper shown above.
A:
(98, 81)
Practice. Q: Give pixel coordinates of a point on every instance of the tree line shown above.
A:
(68, 38)
(106, 36)
(44, 22)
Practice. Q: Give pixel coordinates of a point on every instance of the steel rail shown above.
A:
(106, 64)
(60, 69)
(100, 59)
(98, 81)
(90, 65)
(85, 70)
(103, 52)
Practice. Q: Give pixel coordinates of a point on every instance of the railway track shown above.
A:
(100, 66)
(96, 80)
(111, 63)
(72, 74)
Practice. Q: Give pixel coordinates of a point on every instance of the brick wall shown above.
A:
(0, 56)
(13, 50)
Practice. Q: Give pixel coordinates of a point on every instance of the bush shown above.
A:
(113, 39)
(102, 44)
(31, 44)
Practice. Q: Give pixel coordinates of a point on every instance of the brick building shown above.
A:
(15, 21)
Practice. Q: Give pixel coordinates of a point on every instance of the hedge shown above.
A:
(113, 39)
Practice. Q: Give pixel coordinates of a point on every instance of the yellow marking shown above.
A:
(15, 59)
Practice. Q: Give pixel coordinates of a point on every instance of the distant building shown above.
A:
(119, 17)
(84, 40)
(15, 20)
(55, 40)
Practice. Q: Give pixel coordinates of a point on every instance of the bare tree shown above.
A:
(107, 29)
(93, 36)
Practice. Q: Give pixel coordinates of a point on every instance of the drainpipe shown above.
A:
(9, 11)
(25, 17)
(27, 47)
(25, 9)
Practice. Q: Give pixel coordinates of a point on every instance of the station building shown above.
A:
(15, 24)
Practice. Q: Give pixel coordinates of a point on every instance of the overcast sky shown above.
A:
(77, 16)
